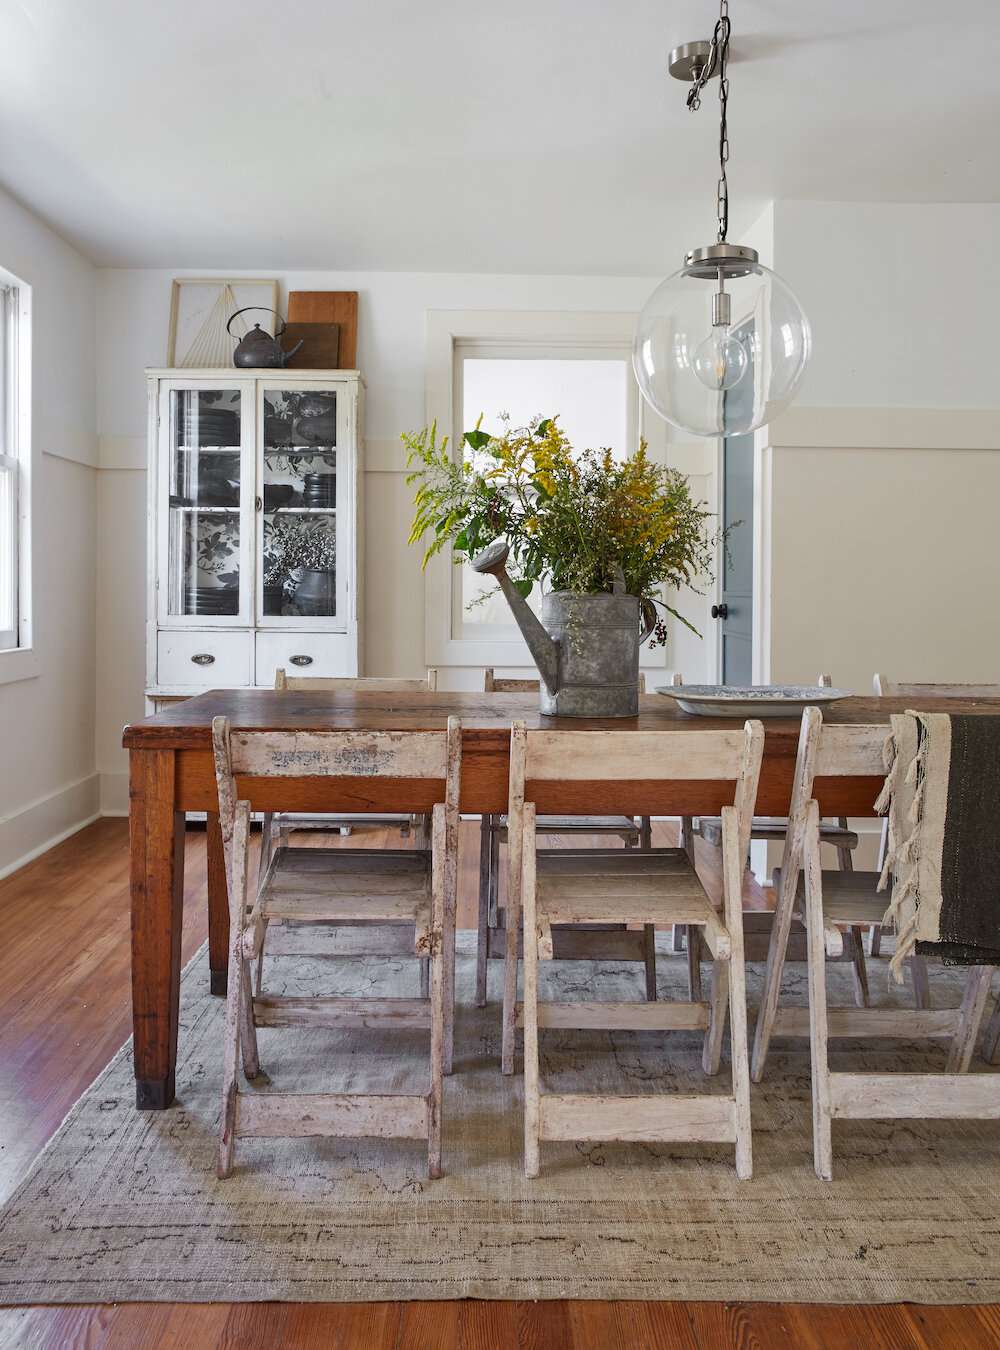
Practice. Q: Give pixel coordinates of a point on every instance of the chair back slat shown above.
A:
(893, 689)
(370, 684)
(499, 684)
(850, 751)
(339, 754)
(593, 755)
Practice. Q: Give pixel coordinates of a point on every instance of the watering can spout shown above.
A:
(543, 648)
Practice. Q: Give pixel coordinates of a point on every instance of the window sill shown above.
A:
(18, 663)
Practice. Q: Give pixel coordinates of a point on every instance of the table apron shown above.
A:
(484, 789)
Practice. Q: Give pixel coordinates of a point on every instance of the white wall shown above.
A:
(880, 483)
(132, 324)
(48, 783)
(883, 475)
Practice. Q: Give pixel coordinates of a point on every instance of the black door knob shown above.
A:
(720, 611)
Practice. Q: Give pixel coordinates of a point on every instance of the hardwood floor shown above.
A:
(64, 1011)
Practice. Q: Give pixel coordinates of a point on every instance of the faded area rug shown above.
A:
(126, 1206)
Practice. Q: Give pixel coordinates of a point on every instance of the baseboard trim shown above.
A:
(39, 826)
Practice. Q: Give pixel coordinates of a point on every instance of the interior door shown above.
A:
(734, 610)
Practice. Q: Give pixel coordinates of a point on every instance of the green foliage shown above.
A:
(573, 521)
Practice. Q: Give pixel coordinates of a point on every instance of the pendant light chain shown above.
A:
(718, 57)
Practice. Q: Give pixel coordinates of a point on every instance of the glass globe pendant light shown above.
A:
(721, 346)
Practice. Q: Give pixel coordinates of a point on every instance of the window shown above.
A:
(524, 363)
(15, 469)
(590, 395)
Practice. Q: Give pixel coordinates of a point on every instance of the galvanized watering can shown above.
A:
(586, 647)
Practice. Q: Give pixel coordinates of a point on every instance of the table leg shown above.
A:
(218, 906)
(156, 842)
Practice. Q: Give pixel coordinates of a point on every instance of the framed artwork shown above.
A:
(200, 308)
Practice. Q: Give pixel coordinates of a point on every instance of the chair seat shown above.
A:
(331, 820)
(348, 886)
(615, 886)
(620, 825)
(774, 829)
(848, 897)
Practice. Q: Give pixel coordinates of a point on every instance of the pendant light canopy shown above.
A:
(721, 346)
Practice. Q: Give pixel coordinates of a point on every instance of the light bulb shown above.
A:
(720, 361)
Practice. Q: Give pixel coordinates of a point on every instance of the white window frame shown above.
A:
(453, 336)
(16, 657)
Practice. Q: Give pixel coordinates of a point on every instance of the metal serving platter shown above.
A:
(759, 700)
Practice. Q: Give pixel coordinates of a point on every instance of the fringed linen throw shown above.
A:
(942, 792)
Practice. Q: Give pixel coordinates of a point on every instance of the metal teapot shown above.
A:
(259, 350)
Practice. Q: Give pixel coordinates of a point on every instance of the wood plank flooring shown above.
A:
(64, 1011)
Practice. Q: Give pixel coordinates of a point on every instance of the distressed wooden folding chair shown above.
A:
(493, 832)
(279, 828)
(411, 889)
(839, 900)
(619, 886)
(952, 1095)
(838, 834)
(283, 825)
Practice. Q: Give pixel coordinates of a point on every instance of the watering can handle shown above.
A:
(647, 619)
(264, 307)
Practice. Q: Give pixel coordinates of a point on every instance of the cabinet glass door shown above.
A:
(300, 547)
(205, 484)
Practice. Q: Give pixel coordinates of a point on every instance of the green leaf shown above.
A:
(543, 426)
(461, 541)
(523, 588)
(477, 439)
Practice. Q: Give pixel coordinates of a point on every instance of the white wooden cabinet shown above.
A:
(254, 527)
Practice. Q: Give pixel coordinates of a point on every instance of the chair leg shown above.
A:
(235, 994)
(977, 992)
(425, 977)
(259, 971)
(530, 1005)
(921, 982)
(856, 939)
(510, 991)
(711, 1052)
(438, 996)
(733, 894)
(483, 934)
(645, 833)
(991, 1041)
(694, 964)
(816, 965)
(494, 872)
(248, 1032)
(875, 942)
(436, 1094)
(649, 957)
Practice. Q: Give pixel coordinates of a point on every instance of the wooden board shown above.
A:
(339, 307)
(320, 348)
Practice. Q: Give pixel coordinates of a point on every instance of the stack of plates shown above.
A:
(209, 426)
(319, 489)
(212, 600)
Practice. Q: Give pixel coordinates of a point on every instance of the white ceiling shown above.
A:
(467, 135)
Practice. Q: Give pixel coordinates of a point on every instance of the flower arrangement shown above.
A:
(573, 521)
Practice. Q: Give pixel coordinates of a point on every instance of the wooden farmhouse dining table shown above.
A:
(171, 772)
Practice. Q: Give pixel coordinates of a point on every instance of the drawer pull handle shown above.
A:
(301, 660)
(203, 658)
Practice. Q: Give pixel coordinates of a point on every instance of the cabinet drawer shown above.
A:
(304, 654)
(211, 660)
